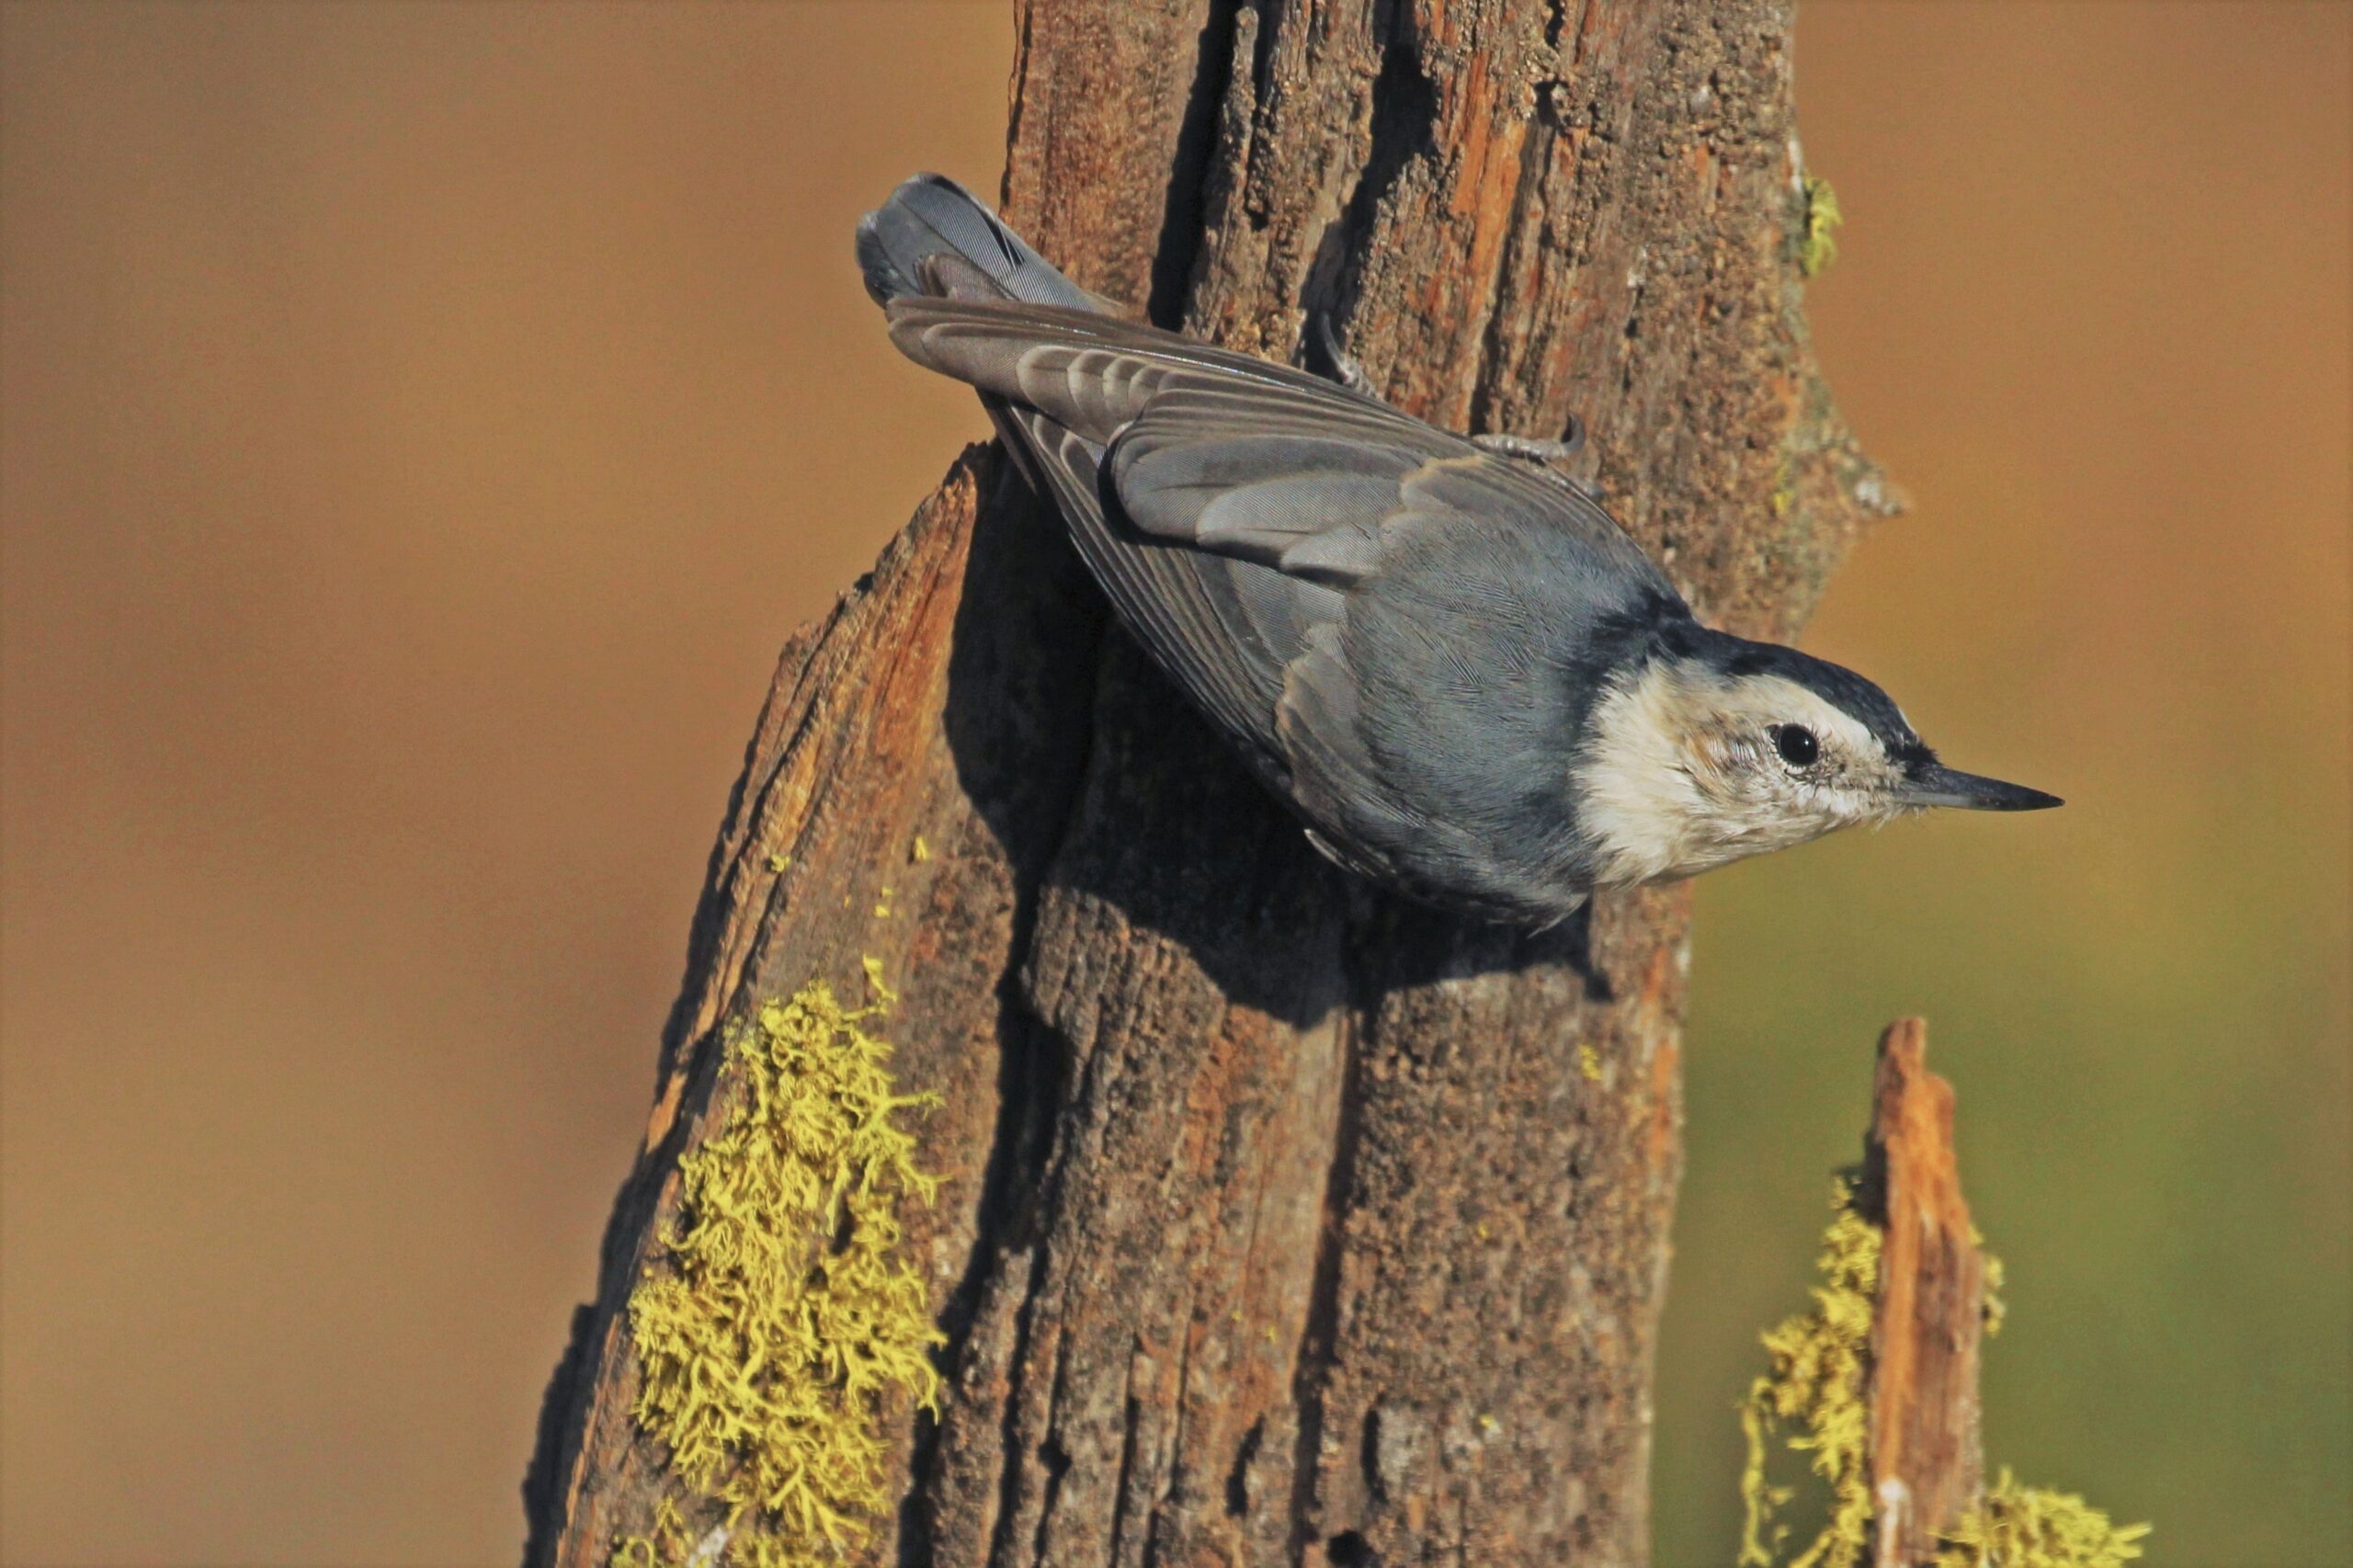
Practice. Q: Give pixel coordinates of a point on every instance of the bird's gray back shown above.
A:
(1478, 658)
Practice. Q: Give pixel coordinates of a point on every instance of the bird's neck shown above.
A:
(1642, 799)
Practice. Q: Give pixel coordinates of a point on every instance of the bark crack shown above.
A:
(1400, 126)
(1194, 169)
(1322, 1328)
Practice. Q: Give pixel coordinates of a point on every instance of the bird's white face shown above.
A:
(1688, 769)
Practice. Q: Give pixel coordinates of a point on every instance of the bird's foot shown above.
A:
(1542, 450)
(1535, 449)
(1545, 451)
(1347, 369)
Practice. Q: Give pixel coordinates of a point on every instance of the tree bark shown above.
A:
(1926, 1460)
(1284, 1222)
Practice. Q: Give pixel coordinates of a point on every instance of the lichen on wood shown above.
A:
(783, 1311)
(2034, 1526)
(1818, 224)
(1810, 1397)
(1876, 1385)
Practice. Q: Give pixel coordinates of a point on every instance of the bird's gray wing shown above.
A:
(1062, 386)
(1411, 584)
(1166, 596)
(1231, 507)
(1300, 454)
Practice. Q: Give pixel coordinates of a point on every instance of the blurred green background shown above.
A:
(420, 425)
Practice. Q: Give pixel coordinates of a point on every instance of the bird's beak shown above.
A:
(1934, 784)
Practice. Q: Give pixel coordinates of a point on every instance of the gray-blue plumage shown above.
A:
(931, 220)
(1404, 633)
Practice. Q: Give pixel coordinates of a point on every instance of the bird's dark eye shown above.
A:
(1796, 743)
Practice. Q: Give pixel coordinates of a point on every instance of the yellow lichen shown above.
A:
(2030, 1527)
(1814, 1393)
(1996, 1306)
(1588, 1063)
(1818, 231)
(778, 1315)
(884, 997)
(665, 1541)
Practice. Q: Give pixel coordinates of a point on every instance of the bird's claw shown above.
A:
(1347, 369)
(1537, 449)
(1544, 452)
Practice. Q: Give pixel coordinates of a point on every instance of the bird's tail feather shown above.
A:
(932, 237)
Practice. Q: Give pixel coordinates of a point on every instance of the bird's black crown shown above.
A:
(1857, 695)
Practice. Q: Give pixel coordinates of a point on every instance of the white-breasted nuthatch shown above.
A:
(1449, 661)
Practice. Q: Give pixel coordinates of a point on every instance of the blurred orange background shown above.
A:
(421, 424)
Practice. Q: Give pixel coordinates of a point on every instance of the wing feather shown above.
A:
(1158, 590)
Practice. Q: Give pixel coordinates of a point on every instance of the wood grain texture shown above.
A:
(1926, 1460)
(1286, 1223)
